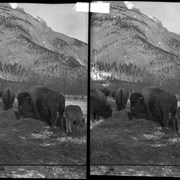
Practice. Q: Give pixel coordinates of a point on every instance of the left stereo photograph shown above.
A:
(43, 91)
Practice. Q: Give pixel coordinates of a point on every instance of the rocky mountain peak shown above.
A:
(131, 46)
(29, 49)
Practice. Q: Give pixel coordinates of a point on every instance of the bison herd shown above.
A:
(45, 105)
(152, 104)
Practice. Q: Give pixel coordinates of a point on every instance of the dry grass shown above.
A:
(117, 140)
(60, 172)
(149, 171)
(29, 141)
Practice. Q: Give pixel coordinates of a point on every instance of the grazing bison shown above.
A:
(138, 111)
(8, 97)
(113, 93)
(121, 98)
(161, 106)
(73, 116)
(158, 105)
(1, 94)
(134, 97)
(148, 93)
(25, 109)
(99, 105)
(178, 113)
(45, 104)
(106, 91)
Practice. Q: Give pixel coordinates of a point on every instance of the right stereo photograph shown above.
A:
(135, 89)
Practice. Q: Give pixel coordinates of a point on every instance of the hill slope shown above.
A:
(30, 50)
(128, 45)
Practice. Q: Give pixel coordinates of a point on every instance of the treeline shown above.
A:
(21, 79)
(170, 86)
(110, 66)
(78, 87)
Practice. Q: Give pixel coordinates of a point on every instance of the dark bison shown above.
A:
(163, 107)
(158, 105)
(113, 93)
(99, 105)
(73, 117)
(121, 98)
(25, 109)
(137, 111)
(134, 97)
(8, 97)
(46, 104)
(178, 113)
(1, 94)
(106, 91)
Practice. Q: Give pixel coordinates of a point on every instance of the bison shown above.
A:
(25, 109)
(178, 113)
(113, 93)
(1, 92)
(134, 97)
(8, 97)
(121, 98)
(99, 105)
(159, 106)
(73, 116)
(137, 110)
(106, 91)
(45, 104)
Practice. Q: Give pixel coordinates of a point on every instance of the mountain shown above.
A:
(32, 51)
(130, 46)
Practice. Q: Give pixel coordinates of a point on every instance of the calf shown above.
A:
(73, 116)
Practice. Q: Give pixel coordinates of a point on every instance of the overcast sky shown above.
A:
(61, 18)
(167, 12)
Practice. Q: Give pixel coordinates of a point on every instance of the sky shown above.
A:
(61, 18)
(167, 12)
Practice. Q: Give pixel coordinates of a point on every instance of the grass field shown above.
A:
(119, 141)
(31, 142)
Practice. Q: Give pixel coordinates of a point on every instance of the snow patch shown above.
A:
(129, 5)
(79, 60)
(38, 18)
(81, 140)
(29, 174)
(99, 75)
(96, 123)
(154, 19)
(13, 5)
(179, 104)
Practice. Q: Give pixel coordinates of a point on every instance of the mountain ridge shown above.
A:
(28, 41)
(130, 45)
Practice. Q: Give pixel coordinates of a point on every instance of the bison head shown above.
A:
(107, 111)
(24, 103)
(138, 109)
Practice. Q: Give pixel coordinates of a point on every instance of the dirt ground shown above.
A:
(137, 144)
(145, 171)
(60, 172)
(27, 142)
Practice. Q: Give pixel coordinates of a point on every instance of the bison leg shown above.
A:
(36, 112)
(149, 113)
(70, 130)
(95, 117)
(165, 118)
(68, 126)
(53, 113)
